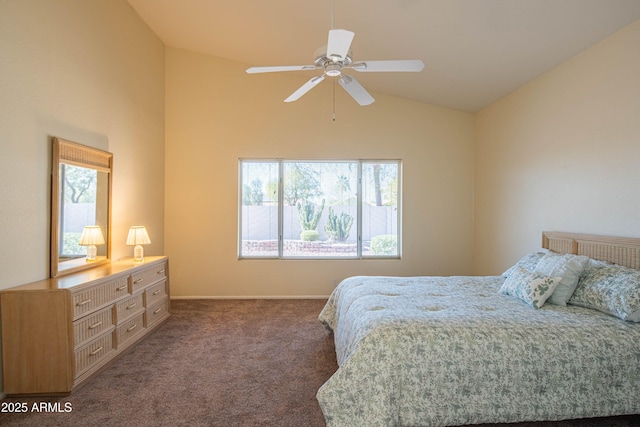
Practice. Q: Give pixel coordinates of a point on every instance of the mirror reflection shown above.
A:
(82, 205)
(80, 211)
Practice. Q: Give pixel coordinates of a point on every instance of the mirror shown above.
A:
(80, 207)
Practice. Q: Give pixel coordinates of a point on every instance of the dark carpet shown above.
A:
(213, 363)
(217, 363)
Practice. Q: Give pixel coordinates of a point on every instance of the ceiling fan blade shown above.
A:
(254, 70)
(339, 44)
(356, 90)
(409, 65)
(304, 88)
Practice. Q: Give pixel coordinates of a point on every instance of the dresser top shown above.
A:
(126, 266)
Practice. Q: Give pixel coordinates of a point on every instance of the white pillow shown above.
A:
(567, 266)
(532, 288)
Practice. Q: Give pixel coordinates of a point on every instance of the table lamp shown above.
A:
(90, 237)
(137, 237)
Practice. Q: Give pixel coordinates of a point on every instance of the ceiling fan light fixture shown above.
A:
(333, 70)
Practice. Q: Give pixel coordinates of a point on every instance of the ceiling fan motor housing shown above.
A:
(332, 66)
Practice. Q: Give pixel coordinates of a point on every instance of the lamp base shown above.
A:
(92, 251)
(138, 253)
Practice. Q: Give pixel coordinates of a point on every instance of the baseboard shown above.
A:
(252, 297)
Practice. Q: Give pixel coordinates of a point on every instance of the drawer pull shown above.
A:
(96, 351)
(131, 328)
(157, 292)
(158, 310)
(135, 282)
(129, 307)
(85, 302)
(160, 271)
(95, 325)
(123, 287)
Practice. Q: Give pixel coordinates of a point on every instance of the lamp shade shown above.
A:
(138, 236)
(91, 235)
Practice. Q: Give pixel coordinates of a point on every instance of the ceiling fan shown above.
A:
(336, 58)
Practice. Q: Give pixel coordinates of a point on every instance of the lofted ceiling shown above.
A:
(475, 51)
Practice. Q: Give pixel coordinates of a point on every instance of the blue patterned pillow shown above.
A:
(528, 262)
(532, 288)
(613, 289)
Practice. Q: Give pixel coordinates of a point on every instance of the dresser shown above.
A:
(58, 332)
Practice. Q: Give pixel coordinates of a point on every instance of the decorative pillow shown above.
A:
(567, 266)
(611, 289)
(528, 262)
(532, 288)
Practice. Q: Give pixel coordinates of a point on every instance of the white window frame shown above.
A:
(359, 209)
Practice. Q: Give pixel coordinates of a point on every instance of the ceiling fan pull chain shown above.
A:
(334, 100)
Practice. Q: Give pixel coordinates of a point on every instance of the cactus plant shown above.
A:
(338, 227)
(309, 217)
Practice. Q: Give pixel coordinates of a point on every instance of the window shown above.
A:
(319, 209)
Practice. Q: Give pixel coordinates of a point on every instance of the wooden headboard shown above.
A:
(617, 250)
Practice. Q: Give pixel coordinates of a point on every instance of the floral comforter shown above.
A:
(439, 351)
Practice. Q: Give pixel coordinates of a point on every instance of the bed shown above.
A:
(439, 351)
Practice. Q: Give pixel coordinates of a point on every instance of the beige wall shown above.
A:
(216, 113)
(561, 153)
(91, 72)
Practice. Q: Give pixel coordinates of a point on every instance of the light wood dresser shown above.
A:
(57, 333)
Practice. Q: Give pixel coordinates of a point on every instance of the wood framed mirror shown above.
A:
(80, 207)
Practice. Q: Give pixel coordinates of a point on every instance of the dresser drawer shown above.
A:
(91, 326)
(128, 307)
(157, 312)
(94, 353)
(155, 293)
(129, 329)
(147, 276)
(87, 300)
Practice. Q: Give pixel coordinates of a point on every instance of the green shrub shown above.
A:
(71, 246)
(309, 235)
(384, 244)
